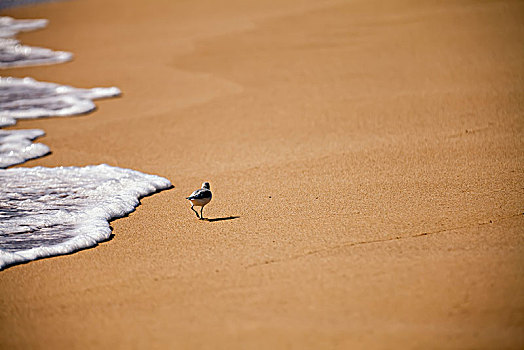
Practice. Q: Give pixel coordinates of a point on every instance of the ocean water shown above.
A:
(51, 211)
(15, 3)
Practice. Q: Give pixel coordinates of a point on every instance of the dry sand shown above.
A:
(372, 151)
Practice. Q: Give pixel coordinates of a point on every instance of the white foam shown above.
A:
(53, 211)
(9, 27)
(27, 98)
(16, 146)
(14, 54)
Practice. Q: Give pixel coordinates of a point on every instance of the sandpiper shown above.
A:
(200, 198)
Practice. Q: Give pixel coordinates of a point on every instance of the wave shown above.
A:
(14, 54)
(53, 211)
(26, 99)
(16, 146)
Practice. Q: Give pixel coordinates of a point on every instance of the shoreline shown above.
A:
(339, 135)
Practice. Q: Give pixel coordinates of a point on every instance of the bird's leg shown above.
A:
(195, 212)
(201, 215)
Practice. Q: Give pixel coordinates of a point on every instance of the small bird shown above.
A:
(200, 198)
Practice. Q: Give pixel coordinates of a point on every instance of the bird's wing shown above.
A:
(200, 194)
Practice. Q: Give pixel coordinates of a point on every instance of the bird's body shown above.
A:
(200, 198)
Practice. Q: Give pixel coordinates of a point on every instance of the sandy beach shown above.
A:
(367, 166)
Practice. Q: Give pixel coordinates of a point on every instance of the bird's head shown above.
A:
(205, 185)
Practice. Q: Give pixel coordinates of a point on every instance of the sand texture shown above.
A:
(366, 160)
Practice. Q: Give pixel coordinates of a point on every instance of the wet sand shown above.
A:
(366, 160)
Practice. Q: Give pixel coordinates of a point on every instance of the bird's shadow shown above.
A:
(221, 219)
